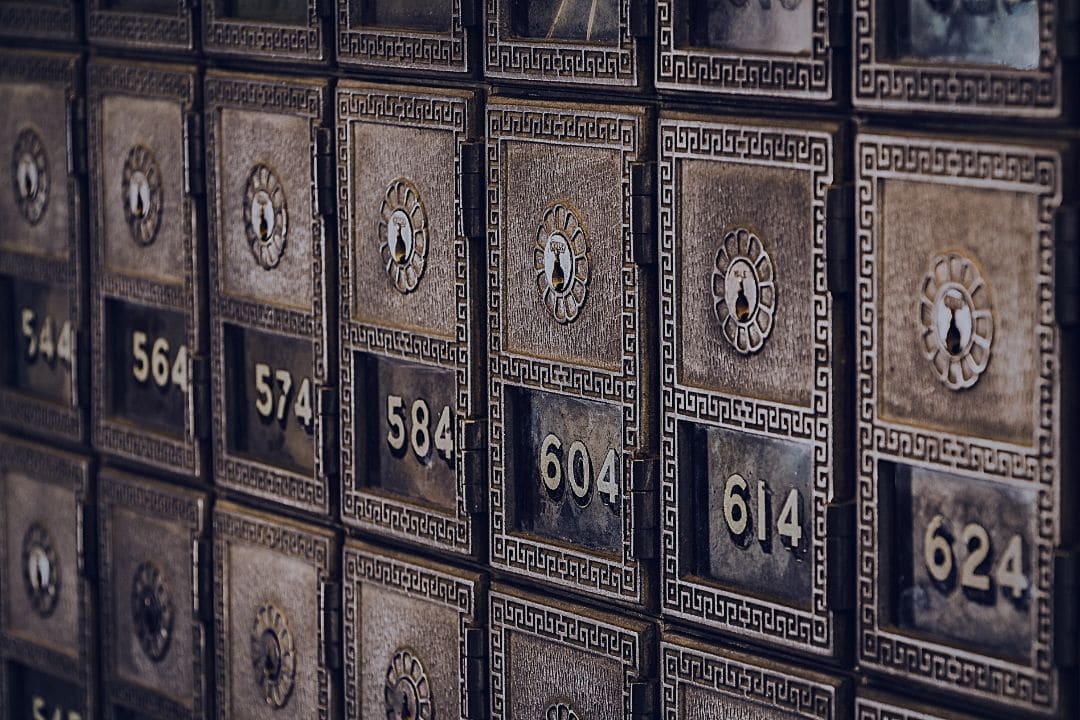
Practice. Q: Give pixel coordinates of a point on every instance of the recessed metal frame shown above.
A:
(304, 43)
(141, 30)
(455, 112)
(124, 439)
(406, 50)
(20, 411)
(1038, 685)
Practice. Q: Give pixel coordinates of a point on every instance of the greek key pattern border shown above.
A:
(403, 49)
(873, 709)
(684, 596)
(280, 42)
(1033, 685)
(622, 578)
(607, 638)
(878, 82)
(33, 19)
(141, 30)
(785, 75)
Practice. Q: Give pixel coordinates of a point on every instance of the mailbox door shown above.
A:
(276, 617)
(754, 370)
(579, 42)
(153, 562)
(955, 321)
(414, 638)
(412, 349)
(411, 36)
(160, 25)
(572, 450)
(288, 31)
(40, 19)
(148, 313)
(44, 356)
(563, 661)
(700, 683)
(272, 288)
(786, 50)
(47, 617)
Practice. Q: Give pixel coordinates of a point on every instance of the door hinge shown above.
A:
(840, 555)
(86, 534)
(325, 171)
(476, 485)
(330, 602)
(473, 223)
(643, 212)
(200, 397)
(1067, 265)
(644, 508)
(476, 673)
(326, 405)
(839, 238)
(193, 155)
(77, 136)
(644, 701)
(1066, 607)
(202, 583)
(80, 385)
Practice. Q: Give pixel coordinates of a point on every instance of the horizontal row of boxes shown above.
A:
(1014, 58)
(193, 611)
(771, 379)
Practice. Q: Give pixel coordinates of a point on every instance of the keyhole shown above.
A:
(558, 276)
(399, 243)
(952, 335)
(406, 711)
(139, 207)
(39, 576)
(742, 305)
(150, 617)
(264, 225)
(28, 184)
(271, 656)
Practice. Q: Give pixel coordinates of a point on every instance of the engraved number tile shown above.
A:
(1010, 58)
(165, 25)
(581, 42)
(271, 285)
(784, 49)
(40, 19)
(954, 321)
(753, 368)
(700, 683)
(275, 610)
(150, 337)
(415, 647)
(412, 349)
(153, 559)
(43, 319)
(287, 31)
(558, 661)
(572, 453)
(47, 622)
(408, 35)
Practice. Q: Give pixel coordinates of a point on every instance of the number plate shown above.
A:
(414, 35)
(578, 42)
(753, 374)
(412, 389)
(40, 19)
(272, 350)
(149, 334)
(42, 314)
(699, 683)
(955, 321)
(273, 643)
(279, 30)
(46, 609)
(570, 315)
(749, 48)
(152, 555)
(563, 661)
(412, 632)
(35, 695)
(978, 58)
(158, 24)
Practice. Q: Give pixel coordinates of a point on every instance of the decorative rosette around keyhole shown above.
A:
(266, 216)
(41, 569)
(561, 261)
(273, 655)
(30, 175)
(744, 290)
(403, 235)
(561, 711)
(956, 320)
(407, 690)
(141, 194)
(151, 610)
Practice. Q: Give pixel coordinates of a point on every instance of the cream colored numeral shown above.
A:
(578, 471)
(740, 520)
(284, 378)
(416, 428)
(421, 437)
(395, 416)
(939, 557)
(155, 363)
(550, 467)
(28, 318)
(141, 368)
(264, 394)
(302, 408)
(265, 405)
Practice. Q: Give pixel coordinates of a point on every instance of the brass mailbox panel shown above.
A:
(412, 348)
(558, 661)
(276, 609)
(415, 646)
(959, 417)
(787, 50)
(150, 336)
(44, 356)
(40, 19)
(571, 340)
(878, 706)
(288, 31)
(48, 637)
(700, 683)
(580, 43)
(153, 571)
(754, 368)
(1010, 59)
(272, 288)
(164, 25)
(408, 35)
